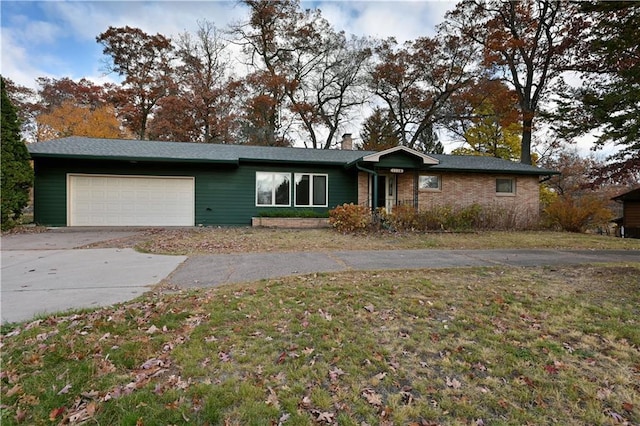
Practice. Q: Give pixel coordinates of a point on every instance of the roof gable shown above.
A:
(376, 157)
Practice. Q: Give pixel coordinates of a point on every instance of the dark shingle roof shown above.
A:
(474, 163)
(118, 149)
(136, 150)
(633, 195)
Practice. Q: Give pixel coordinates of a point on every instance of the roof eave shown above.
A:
(306, 162)
(495, 171)
(35, 155)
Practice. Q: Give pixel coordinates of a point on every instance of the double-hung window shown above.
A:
(273, 189)
(311, 190)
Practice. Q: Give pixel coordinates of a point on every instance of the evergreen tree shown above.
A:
(608, 101)
(17, 174)
(428, 142)
(379, 132)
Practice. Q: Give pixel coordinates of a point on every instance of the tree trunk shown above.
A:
(525, 144)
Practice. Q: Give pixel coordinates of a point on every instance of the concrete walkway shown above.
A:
(213, 270)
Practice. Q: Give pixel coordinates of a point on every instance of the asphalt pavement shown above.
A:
(214, 270)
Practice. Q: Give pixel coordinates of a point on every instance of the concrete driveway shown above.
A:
(46, 273)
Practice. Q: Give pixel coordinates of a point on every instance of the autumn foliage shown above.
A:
(578, 214)
(71, 119)
(349, 218)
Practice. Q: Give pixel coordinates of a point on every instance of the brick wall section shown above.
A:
(363, 189)
(464, 189)
(406, 187)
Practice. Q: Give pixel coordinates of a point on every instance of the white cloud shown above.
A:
(404, 20)
(16, 63)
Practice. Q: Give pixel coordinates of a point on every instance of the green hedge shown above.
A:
(293, 213)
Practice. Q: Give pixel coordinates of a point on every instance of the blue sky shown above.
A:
(57, 38)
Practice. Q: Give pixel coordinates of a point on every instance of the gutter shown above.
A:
(375, 184)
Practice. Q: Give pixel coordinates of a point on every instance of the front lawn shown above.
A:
(474, 346)
(190, 241)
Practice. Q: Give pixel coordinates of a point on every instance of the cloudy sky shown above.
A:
(58, 38)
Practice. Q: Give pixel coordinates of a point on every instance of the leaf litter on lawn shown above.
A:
(465, 346)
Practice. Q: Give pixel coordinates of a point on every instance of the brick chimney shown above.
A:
(347, 142)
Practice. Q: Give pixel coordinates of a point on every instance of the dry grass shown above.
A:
(243, 240)
(477, 346)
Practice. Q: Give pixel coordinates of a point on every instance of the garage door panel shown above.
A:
(101, 200)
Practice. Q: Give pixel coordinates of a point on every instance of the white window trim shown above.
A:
(326, 190)
(513, 187)
(273, 190)
(438, 189)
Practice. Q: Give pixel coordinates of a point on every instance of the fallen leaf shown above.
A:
(370, 308)
(325, 417)
(335, 373)
(453, 383)
(64, 390)
(224, 357)
(272, 398)
(306, 402)
(14, 390)
(20, 415)
(55, 413)
(152, 329)
(325, 315)
(617, 417)
(372, 397)
(281, 357)
(283, 419)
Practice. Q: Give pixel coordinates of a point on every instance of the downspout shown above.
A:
(373, 173)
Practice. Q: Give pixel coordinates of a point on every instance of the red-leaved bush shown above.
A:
(349, 218)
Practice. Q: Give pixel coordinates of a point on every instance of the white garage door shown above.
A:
(101, 200)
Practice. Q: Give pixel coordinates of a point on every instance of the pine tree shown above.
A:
(17, 174)
(379, 132)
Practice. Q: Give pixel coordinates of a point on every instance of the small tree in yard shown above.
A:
(577, 214)
(17, 174)
(578, 203)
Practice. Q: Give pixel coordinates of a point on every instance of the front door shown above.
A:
(386, 196)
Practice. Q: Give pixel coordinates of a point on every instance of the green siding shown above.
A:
(225, 195)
